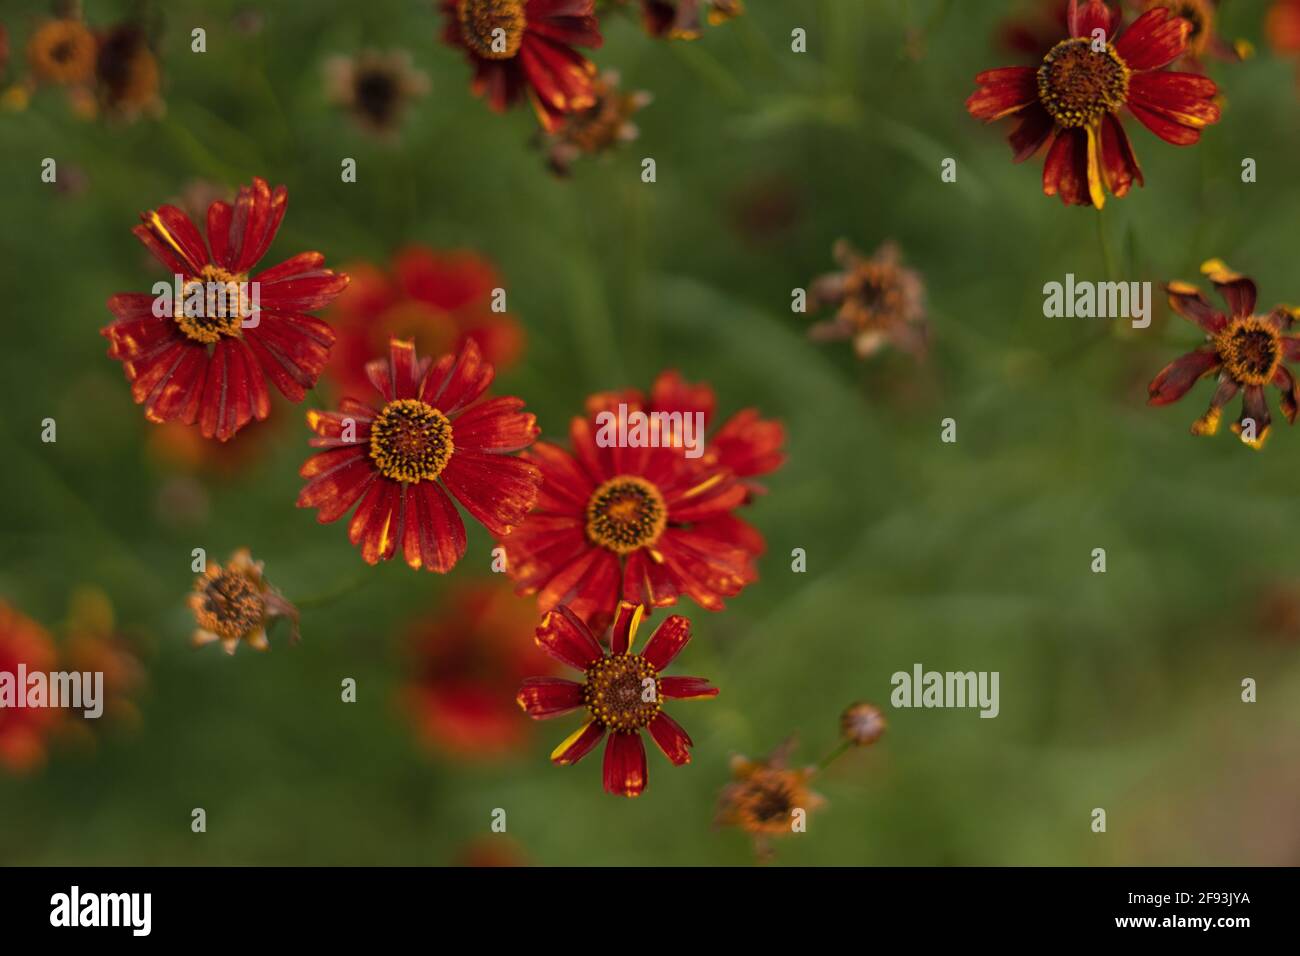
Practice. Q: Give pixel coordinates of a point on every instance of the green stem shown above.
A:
(834, 755)
(346, 587)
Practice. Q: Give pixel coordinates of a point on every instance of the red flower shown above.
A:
(23, 730)
(1245, 351)
(1282, 27)
(436, 298)
(433, 424)
(622, 692)
(213, 367)
(1073, 100)
(467, 659)
(526, 46)
(645, 524)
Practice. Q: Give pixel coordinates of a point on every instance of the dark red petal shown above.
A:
(667, 641)
(496, 489)
(1065, 172)
(435, 535)
(1153, 40)
(1177, 378)
(562, 635)
(1088, 15)
(456, 381)
(1238, 291)
(625, 773)
(578, 744)
(1031, 133)
(1002, 92)
(686, 688)
(626, 621)
(1189, 302)
(675, 742)
(373, 527)
(496, 425)
(1119, 165)
(544, 697)
(220, 216)
(672, 393)
(1181, 99)
(341, 477)
(257, 217)
(1286, 383)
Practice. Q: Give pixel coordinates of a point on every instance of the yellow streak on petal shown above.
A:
(568, 742)
(1094, 168)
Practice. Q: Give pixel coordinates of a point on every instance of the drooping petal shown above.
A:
(1065, 171)
(1119, 165)
(1002, 92)
(1254, 417)
(1033, 130)
(1189, 302)
(1289, 399)
(1177, 378)
(625, 771)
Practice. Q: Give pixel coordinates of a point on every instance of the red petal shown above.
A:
(667, 641)
(1118, 163)
(1189, 302)
(1002, 92)
(562, 635)
(686, 688)
(497, 490)
(580, 743)
(1065, 172)
(625, 774)
(496, 425)
(456, 381)
(1153, 40)
(435, 535)
(1088, 15)
(1177, 378)
(671, 738)
(1035, 127)
(626, 621)
(543, 697)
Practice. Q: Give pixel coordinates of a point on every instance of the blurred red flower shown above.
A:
(467, 660)
(213, 368)
(622, 692)
(436, 298)
(24, 730)
(520, 47)
(434, 424)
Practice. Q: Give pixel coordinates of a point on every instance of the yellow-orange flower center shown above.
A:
(873, 295)
(232, 604)
(62, 51)
(493, 29)
(1250, 349)
(622, 692)
(411, 441)
(625, 513)
(225, 304)
(764, 802)
(1078, 85)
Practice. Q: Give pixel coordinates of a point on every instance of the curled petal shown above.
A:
(1189, 302)
(1177, 378)
(626, 621)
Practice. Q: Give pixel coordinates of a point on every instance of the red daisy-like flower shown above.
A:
(433, 430)
(527, 46)
(1071, 103)
(645, 524)
(23, 730)
(437, 298)
(212, 368)
(466, 659)
(1245, 350)
(621, 691)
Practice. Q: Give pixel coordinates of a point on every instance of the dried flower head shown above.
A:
(862, 724)
(766, 798)
(235, 603)
(599, 128)
(877, 302)
(375, 87)
(62, 52)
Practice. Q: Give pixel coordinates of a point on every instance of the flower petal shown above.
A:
(686, 688)
(675, 742)
(625, 772)
(626, 622)
(544, 697)
(667, 641)
(578, 744)
(563, 635)
(1177, 378)
(1002, 92)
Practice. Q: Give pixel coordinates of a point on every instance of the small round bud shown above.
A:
(862, 724)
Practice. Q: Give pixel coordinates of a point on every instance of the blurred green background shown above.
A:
(1118, 690)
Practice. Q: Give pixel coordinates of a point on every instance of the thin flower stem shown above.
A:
(1107, 256)
(834, 755)
(346, 587)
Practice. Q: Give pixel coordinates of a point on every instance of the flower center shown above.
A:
(873, 295)
(625, 513)
(1077, 86)
(768, 799)
(411, 441)
(1251, 350)
(212, 305)
(232, 605)
(622, 692)
(493, 29)
(377, 94)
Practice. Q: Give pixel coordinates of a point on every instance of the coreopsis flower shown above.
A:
(438, 298)
(375, 87)
(645, 524)
(746, 444)
(1203, 40)
(23, 730)
(877, 302)
(467, 660)
(95, 645)
(127, 78)
(1245, 351)
(433, 433)
(526, 47)
(235, 603)
(597, 129)
(862, 724)
(212, 367)
(181, 448)
(764, 797)
(1282, 27)
(621, 692)
(62, 52)
(681, 19)
(1071, 103)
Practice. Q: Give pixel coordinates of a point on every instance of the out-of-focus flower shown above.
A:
(862, 724)
(497, 850)
(681, 19)
(1036, 27)
(212, 368)
(467, 660)
(1247, 351)
(94, 645)
(62, 52)
(127, 77)
(1204, 40)
(375, 87)
(182, 447)
(597, 129)
(434, 426)
(645, 524)
(766, 209)
(439, 299)
(621, 691)
(764, 797)
(1073, 100)
(1282, 28)
(235, 603)
(23, 730)
(526, 47)
(877, 302)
